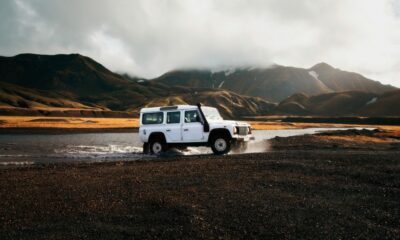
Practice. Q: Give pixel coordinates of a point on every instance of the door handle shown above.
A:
(186, 129)
(168, 130)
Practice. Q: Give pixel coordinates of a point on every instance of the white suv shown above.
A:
(189, 125)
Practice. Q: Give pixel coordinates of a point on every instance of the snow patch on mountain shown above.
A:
(322, 85)
(373, 100)
(314, 74)
(220, 85)
(229, 72)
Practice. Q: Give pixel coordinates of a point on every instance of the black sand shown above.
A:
(282, 195)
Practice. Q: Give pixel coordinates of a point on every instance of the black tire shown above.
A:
(221, 144)
(146, 148)
(157, 146)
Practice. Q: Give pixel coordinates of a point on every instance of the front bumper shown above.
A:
(241, 138)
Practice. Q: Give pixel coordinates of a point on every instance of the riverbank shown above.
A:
(351, 139)
(281, 195)
(331, 185)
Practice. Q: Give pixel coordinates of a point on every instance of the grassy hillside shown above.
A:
(351, 103)
(230, 105)
(13, 96)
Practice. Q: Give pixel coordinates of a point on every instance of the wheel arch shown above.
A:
(155, 135)
(219, 132)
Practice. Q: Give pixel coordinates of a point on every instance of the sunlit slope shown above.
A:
(13, 96)
(230, 104)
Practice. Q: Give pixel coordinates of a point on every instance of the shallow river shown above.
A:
(19, 149)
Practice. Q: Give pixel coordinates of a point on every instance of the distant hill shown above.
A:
(350, 103)
(230, 104)
(275, 83)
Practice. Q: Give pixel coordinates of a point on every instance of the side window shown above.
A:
(192, 116)
(153, 118)
(174, 117)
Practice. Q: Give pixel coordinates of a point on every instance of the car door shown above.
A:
(173, 126)
(192, 128)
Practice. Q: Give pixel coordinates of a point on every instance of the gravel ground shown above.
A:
(296, 194)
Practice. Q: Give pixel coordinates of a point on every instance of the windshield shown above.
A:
(211, 114)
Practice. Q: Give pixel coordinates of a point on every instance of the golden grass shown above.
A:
(109, 123)
(67, 122)
(394, 131)
(265, 125)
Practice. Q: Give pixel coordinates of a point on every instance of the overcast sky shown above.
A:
(149, 37)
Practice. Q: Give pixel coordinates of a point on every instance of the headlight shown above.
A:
(235, 130)
(249, 130)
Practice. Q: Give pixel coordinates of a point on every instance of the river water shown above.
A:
(20, 149)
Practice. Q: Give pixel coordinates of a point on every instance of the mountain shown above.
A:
(13, 96)
(77, 85)
(230, 104)
(275, 83)
(79, 79)
(350, 103)
(19, 101)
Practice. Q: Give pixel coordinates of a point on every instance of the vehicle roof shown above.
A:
(168, 108)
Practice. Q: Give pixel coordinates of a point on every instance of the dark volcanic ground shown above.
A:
(291, 194)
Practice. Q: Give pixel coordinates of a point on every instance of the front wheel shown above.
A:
(220, 145)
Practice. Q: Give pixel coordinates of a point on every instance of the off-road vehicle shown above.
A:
(190, 125)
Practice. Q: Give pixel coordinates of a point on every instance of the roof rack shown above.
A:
(168, 108)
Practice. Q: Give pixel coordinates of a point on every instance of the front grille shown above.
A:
(243, 130)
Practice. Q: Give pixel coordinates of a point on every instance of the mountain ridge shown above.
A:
(275, 83)
(73, 81)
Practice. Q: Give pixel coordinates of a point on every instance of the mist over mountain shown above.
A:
(31, 83)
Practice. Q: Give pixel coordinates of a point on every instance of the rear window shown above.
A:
(153, 118)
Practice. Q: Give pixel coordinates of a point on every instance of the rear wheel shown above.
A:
(157, 146)
(221, 145)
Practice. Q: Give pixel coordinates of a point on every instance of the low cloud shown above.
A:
(149, 37)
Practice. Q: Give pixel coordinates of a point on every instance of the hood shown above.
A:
(228, 122)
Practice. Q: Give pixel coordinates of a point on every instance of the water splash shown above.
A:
(98, 151)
